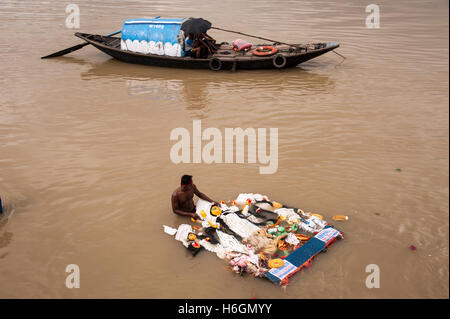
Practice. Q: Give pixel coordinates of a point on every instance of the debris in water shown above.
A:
(340, 218)
(412, 247)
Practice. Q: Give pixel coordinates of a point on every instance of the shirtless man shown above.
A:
(182, 197)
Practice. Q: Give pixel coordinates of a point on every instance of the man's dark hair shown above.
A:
(186, 179)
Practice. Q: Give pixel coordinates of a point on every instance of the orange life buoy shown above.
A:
(265, 50)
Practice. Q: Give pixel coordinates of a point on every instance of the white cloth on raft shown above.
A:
(240, 226)
(242, 198)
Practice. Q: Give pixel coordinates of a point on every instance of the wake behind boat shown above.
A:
(162, 42)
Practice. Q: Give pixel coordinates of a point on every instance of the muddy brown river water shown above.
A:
(86, 177)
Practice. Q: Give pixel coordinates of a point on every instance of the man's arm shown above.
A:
(177, 210)
(203, 196)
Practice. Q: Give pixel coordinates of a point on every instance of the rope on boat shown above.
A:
(339, 54)
(249, 35)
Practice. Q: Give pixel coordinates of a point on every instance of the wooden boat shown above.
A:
(225, 58)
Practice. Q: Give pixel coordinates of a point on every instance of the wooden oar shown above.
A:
(74, 48)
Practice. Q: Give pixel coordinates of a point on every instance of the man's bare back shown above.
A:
(183, 197)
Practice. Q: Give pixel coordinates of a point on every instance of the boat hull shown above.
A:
(111, 46)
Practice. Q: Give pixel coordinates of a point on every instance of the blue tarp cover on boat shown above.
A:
(152, 36)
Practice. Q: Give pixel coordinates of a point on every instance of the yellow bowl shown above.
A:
(216, 211)
(276, 263)
(276, 205)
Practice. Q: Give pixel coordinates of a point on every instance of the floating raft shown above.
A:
(257, 236)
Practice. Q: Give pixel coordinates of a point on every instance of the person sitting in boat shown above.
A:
(182, 197)
(209, 39)
(188, 43)
(207, 45)
(199, 46)
(193, 46)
